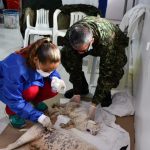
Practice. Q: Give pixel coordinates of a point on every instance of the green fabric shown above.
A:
(16, 121)
(41, 106)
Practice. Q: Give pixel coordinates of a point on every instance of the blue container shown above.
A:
(11, 18)
(1, 16)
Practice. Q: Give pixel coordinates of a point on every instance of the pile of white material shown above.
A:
(111, 135)
(122, 104)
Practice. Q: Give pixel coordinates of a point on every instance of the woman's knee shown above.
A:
(31, 92)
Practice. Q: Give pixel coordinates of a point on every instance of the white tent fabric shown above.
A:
(132, 23)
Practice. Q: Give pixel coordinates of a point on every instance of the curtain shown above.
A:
(102, 7)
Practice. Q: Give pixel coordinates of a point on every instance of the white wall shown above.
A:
(115, 9)
(142, 91)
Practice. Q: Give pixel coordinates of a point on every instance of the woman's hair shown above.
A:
(43, 49)
(80, 34)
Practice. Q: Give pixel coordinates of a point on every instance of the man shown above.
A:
(97, 37)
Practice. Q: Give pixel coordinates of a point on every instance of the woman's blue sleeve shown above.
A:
(54, 74)
(13, 98)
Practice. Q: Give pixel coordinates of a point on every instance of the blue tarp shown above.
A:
(102, 7)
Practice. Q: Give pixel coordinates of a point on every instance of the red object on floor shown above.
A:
(13, 4)
(36, 95)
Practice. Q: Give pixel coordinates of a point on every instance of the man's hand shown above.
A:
(91, 113)
(76, 98)
(45, 121)
(58, 85)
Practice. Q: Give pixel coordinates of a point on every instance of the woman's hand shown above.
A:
(45, 121)
(58, 85)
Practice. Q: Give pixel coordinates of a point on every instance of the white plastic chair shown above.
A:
(74, 17)
(41, 27)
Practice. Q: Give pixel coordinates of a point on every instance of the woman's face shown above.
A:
(46, 67)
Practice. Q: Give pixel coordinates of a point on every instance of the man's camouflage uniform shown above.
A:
(109, 44)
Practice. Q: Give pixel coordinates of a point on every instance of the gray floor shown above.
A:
(10, 40)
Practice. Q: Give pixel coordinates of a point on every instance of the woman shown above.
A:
(29, 75)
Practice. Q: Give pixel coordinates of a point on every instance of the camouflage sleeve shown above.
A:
(112, 61)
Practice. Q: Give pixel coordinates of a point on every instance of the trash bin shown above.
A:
(11, 18)
(1, 16)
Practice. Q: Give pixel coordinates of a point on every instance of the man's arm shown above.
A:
(111, 71)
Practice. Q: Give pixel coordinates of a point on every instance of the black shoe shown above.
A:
(107, 101)
(70, 93)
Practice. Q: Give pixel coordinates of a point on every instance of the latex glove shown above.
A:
(45, 121)
(58, 85)
(91, 112)
(76, 98)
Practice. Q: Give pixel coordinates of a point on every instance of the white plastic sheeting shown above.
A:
(122, 104)
(111, 135)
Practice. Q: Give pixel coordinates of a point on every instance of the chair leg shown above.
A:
(26, 38)
(55, 39)
(90, 62)
(31, 38)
